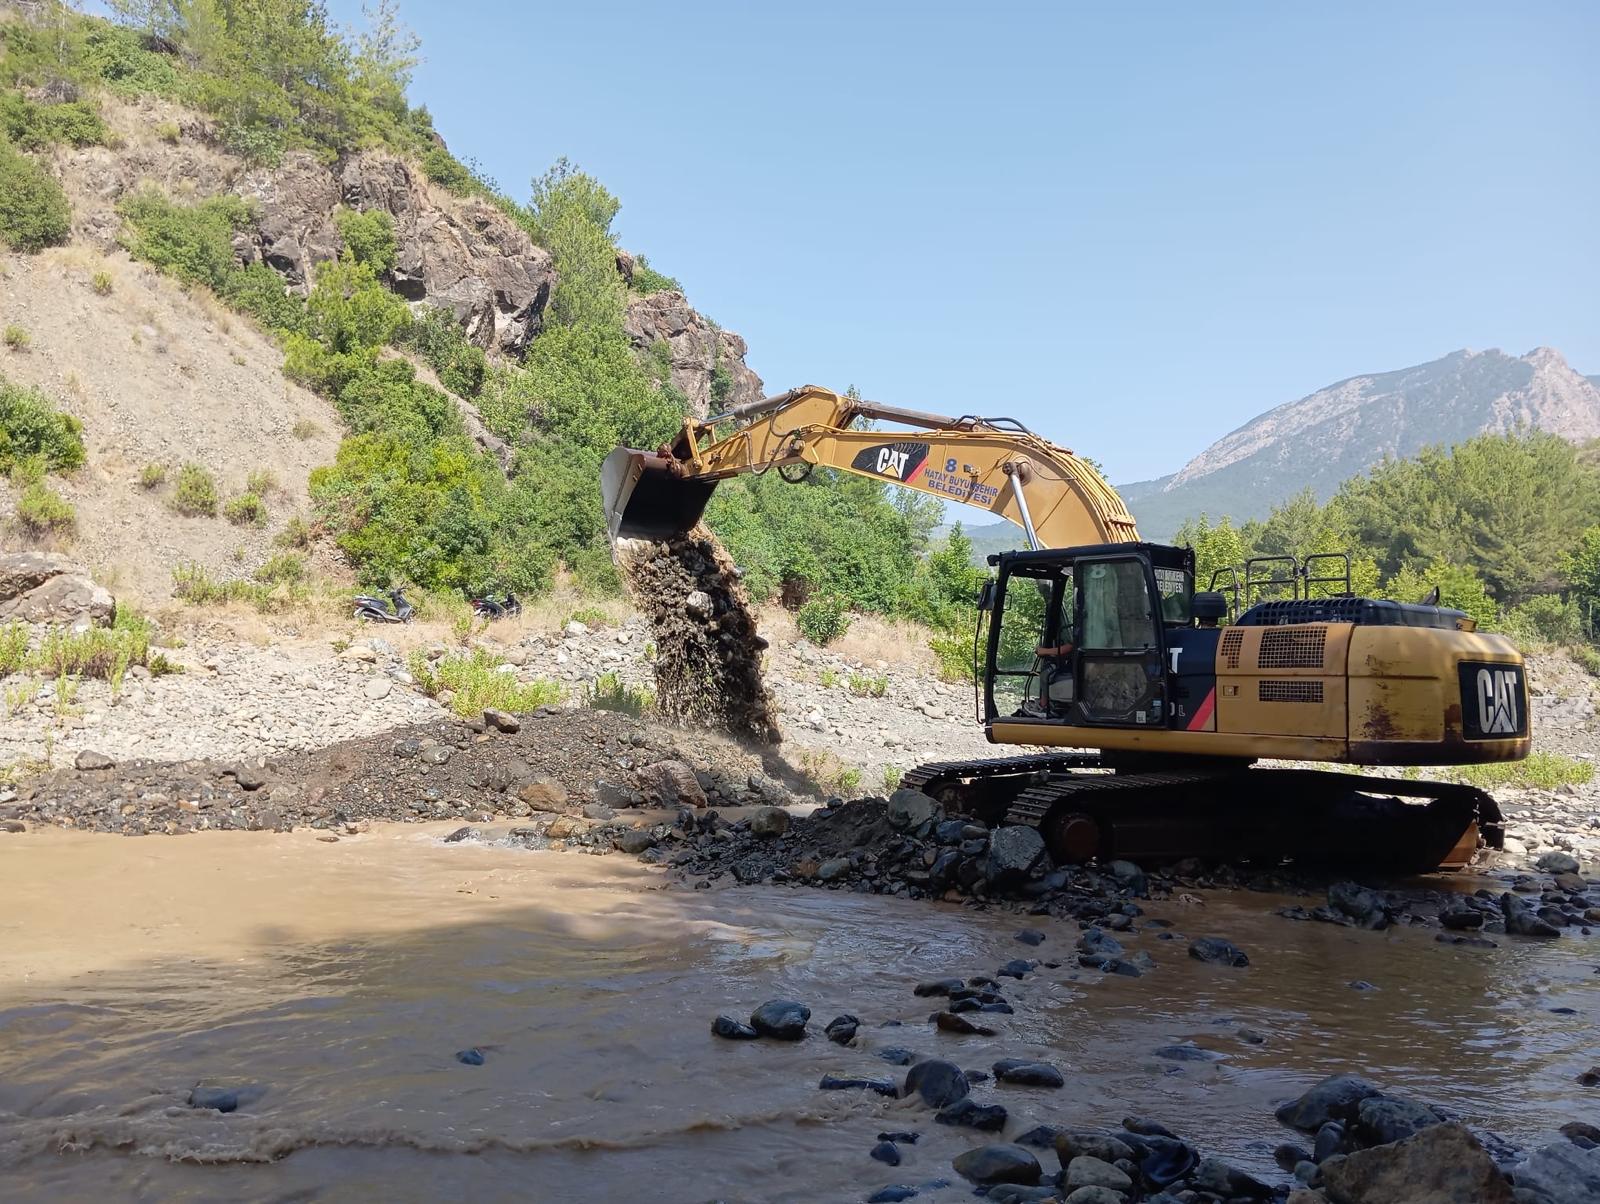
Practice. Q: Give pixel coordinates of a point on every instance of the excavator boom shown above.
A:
(996, 464)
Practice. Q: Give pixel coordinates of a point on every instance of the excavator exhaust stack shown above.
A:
(646, 495)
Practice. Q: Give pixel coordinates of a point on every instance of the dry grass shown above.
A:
(870, 638)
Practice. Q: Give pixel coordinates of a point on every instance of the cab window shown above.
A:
(1116, 605)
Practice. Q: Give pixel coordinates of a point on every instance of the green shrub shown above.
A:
(152, 475)
(296, 533)
(478, 683)
(34, 126)
(245, 509)
(102, 283)
(260, 292)
(438, 338)
(1589, 658)
(30, 427)
(17, 338)
(13, 648)
(445, 170)
(863, 686)
(368, 238)
(823, 619)
(1544, 619)
(41, 510)
(384, 396)
(953, 652)
(589, 616)
(169, 133)
(196, 492)
(286, 568)
(192, 584)
(33, 209)
(191, 242)
(647, 280)
(609, 692)
(261, 481)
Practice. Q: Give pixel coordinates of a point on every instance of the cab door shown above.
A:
(1121, 674)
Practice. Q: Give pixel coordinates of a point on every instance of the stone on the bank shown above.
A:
(1028, 1074)
(564, 827)
(47, 587)
(434, 754)
(1380, 1120)
(936, 1082)
(1187, 1051)
(911, 808)
(635, 841)
(377, 689)
(893, 1194)
(836, 1082)
(783, 1019)
(1098, 941)
(1337, 1097)
(833, 869)
(1443, 1164)
(886, 1153)
(937, 986)
(671, 784)
(953, 1022)
(1095, 1195)
(1562, 1173)
(998, 1164)
(1217, 951)
(1015, 851)
(1088, 1171)
(1031, 936)
(1075, 1143)
(1556, 862)
(1362, 905)
(769, 821)
(1230, 1182)
(502, 721)
(1164, 1160)
(732, 1030)
(542, 793)
(91, 760)
(1523, 920)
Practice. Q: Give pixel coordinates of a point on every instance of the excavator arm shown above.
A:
(995, 464)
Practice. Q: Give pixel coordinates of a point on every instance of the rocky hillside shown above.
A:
(1340, 431)
(161, 374)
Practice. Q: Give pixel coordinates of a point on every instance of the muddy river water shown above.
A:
(333, 983)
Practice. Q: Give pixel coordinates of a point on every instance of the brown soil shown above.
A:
(708, 656)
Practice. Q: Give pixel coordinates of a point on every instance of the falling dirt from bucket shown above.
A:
(708, 655)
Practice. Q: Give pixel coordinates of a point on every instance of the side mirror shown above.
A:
(986, 596)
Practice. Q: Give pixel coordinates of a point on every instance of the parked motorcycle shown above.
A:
(487, 608)
(395, 609)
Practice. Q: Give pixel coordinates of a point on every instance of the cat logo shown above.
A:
(898, 461)
(1493, 701)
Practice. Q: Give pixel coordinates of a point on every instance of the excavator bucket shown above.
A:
(646, 496)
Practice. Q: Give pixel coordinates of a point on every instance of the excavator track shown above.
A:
(1233, 813)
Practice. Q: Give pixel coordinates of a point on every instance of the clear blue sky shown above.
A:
(1132, 226)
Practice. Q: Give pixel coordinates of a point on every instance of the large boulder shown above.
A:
(1337, 1097)
(1014, 853)
(1443, 1164)
(1562, 1173)
(696, 348)
(47, 587)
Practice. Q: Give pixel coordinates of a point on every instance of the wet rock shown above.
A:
(1165, 1160)
(1187, 1051)
(542, 793)
(502, 721)
(1028, 1074)
(896, 1056)
(937, 986)
(841, 1030)
(635, 841)
(999, 1164)
(732, 1030)
(1077, 1143)
(470, 1057)
(782, 1019)
(1443, 1164)
(461, 834)
(1217, 951)
(936, 1082)
(910, 809)
(1014, 852)
(901, 1137)
(1093, 1194)
(1556, 862)
(1580, 1132)
(1361, 984)
(220, 1099)
(1040, 1136)
(1098, 940)
(1088, 1171)
(1146, 1127)
(1362, 906)
(1329, 1141)
(90, 760)
(1250, 1037)
(1015, 1193)
(893, 1194)
(1131, 877)
(886, 1153)
(970, 1114)
(769, 821)
(1380, 1120)
(1523, 920)
(952, 1022)
(1336, 1097)
(833, 869)
(836, 1082)
(564, 827)
(1216, 1176)
(1563, 1173)
(1017, 968)
(1459, 917)
(1031, 936)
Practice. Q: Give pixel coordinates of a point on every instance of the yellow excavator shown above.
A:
(1093, 640)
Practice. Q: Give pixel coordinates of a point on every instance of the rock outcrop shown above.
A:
(699, 352)
(47, 587)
